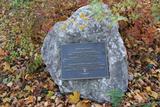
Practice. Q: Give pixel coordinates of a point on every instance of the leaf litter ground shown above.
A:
(20, 87)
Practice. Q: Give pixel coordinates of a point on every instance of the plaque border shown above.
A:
(97, 77)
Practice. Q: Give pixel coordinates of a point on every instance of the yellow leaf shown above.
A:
(148, 89)
(151, 61)
(6, 67)
(154, 94)
(5, 100)
(154, 104)
(74, 98)
(28, 88)
(64, 27)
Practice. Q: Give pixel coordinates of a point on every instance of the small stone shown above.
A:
(53, 97)
(46, 104)
(10, 84)
(130, 77)
(39, 98)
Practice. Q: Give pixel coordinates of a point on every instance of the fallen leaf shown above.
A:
(5, 100)
(28, 88)
(2, 52)
(82, 2)
(30, 99)
(74, 98)
(6, 105)
(84, 103)
(3, 87)
(51, 85)
(148, 89)
(10, 84)
(20, 103)
(3, 94)
(50, 94)
(139, 98)
(152, 93)
(59, 101)
(46, 104)
(96, 105)
(6, 67)
(154, 104)
(151, 61)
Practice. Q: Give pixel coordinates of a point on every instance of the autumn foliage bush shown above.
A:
(142, 15)
(141, 22)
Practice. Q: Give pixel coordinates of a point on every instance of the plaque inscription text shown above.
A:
(83, 61)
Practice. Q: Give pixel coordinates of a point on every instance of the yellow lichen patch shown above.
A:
(82, 27)
(64, 27)
(83, 16)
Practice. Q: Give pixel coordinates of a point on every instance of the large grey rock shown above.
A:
(80, 29)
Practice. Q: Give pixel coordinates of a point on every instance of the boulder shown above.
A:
(82, 27)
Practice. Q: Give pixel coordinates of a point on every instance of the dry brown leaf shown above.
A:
(107, 105)
(84, 103)
(74, 98)
(30, 99)
(59, 101)
(51, 84)
(96, 105)
(139, 98)
(6, 105)
(127, 104)
(2, 53)
(157, 50)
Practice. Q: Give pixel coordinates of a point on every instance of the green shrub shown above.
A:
(17, 3)
(147, 105)
(156, 9)
(34, 64)
(116, 97)
(100, 14)
(24, 48)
